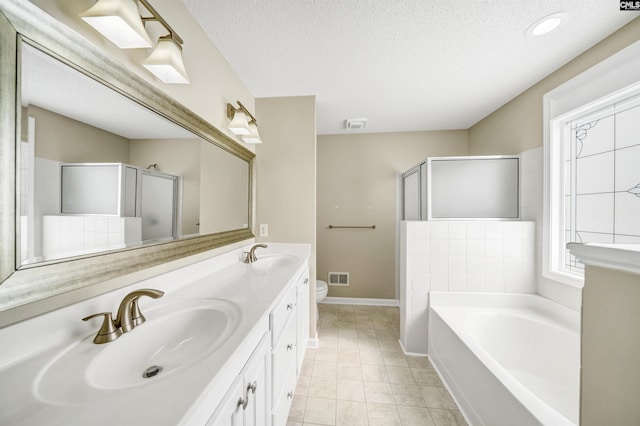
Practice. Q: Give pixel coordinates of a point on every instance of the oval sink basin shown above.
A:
(174, 337)
(269, 262)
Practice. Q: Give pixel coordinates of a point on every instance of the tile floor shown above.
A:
(360, 376)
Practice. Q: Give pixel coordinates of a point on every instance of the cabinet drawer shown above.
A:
(282, 405)
(284, 310)
(284, 358)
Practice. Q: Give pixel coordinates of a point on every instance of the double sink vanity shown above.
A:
(223, 345)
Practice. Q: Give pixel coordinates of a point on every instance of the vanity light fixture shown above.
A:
(547, 24)
(120, 22)
(254, 137)
(243, 123)
(165, 61)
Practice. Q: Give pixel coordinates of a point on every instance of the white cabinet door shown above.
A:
(230, 412)
(257, 385)
(248, 401)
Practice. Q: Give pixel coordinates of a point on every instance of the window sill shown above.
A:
(619, 257)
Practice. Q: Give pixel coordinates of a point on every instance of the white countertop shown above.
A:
(620, 257)
(191, 395)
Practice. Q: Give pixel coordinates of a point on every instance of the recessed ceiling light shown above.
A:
(547, 24)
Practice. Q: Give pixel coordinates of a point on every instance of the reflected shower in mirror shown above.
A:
(99, 172)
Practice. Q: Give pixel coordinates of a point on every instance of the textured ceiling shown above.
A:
(403, 64)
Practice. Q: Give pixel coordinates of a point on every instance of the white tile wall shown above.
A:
(460, 256)
(64, 236)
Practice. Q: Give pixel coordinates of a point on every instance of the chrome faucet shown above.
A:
(251, 254)
(129, 316)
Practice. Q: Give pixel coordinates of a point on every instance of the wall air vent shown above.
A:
(339, 278)
(355, 123)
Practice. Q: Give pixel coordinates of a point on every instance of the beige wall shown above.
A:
(286, 174)
(180, 157)
(62, 139)
(610, 376)
(517, 126)
(357, 186)
(224, 192)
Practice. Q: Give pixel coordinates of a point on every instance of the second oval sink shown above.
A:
(269, 262)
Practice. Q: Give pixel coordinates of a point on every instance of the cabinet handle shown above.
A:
(290, 346)
(289, 395)
(306, 280)
(243, 402)
(289, 306)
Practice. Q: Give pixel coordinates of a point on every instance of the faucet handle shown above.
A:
(136, 315)
(108, 331)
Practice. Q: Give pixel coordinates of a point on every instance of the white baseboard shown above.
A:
(313, 343)
(360, 301)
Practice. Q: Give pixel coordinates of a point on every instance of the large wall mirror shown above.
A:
(105, 175)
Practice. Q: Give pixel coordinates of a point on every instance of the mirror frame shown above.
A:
(23, 22)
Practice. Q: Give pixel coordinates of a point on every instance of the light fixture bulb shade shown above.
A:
(165, 62)
(239, 125)
(254, 137)
(120, 22)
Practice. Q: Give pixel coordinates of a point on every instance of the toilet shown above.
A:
(321, 292)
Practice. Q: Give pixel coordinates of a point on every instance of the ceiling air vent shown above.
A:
(356, 123)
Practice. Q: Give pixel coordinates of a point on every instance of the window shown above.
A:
(601, 169)
(592, 163)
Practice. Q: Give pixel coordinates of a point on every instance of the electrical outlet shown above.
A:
(264, 230)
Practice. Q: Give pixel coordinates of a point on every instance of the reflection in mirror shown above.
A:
(99, 172)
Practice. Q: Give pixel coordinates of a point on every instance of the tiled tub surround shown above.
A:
(192, 394)
(460, 256)
(507, 359)
(359, 376)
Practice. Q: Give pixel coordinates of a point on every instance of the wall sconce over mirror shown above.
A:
(121, 23)
(243, 123)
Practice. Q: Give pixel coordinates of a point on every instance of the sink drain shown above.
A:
(152, 371)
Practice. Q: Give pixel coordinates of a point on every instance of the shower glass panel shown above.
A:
(130, 192)
(91, 189)
(482, 187)
(411, 194)
(158, 206)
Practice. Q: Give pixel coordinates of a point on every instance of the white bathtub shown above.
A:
(507, 359)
